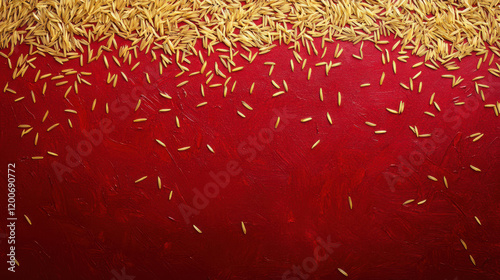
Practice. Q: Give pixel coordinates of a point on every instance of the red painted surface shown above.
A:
(97, 221)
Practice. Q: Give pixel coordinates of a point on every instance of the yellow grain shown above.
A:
(141, 179)
(475, 168)
(182, 83)
(315, 144)
(243, 228)
(197, 229)
(343, 272)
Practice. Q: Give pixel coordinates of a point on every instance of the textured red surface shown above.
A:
(98, 224)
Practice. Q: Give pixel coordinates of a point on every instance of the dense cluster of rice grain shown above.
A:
(435, 29)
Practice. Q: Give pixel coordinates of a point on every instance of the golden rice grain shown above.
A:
(161, 143)
(417, 64)
(432, 178)
(437, 106)
(477, 220)
(241, 114)
(177, 122)
(141, 179)
(135, 66)
(116, 61)
(246, 105)
(463, 244)
(210, 149)
(417, 75)
(343, 272)
(243, 228)
(197, 229)
(431, 66)
(45, 116)
(382, 78)
(61, 83)
(184, 148)
(392, 111)
(408, 201)
(182, 83)
(472, 260)
(478, 137)
(380, 131)
(315, 144)
(137, 105)
(105, 61)
(234, 86)
(475, 168)
(52, 127)
(86, 82)
(445, 181)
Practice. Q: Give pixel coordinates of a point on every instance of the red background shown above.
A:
(98, 221)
